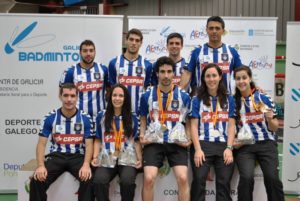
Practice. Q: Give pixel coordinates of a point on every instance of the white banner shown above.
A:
(291, 137)
(254, 38)
(35, 50)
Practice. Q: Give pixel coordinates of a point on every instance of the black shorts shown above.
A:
(154, 154)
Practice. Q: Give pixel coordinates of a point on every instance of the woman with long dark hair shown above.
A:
(116, 148)
(256, 111)
(212, 131)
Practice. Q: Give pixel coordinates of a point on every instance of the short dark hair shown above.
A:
(162, 61)
(67, 86)
(216, 19)
(135, 32)
(87, 43)
(175, 35)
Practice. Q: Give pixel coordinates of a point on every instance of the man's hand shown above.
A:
(40, 173)
(228, 158)
(85, 172)
(199, 158)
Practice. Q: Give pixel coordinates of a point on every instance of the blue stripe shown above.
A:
(89, 93)
(58, 122)
(79, 72)
(226, 76)
(296, 92)
(98, 103)
(78, 120)
(137, 89)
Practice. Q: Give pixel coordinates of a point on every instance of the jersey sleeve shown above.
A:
(236, 57)
(99, 125)
(112, 72)
(231, 107)
(88, 130)
(143, 108)
(267, 100)
(148, 67)
(194, 108)
(135, 127)
(186, 102)
(47, 127)
(105, 71)
(192, 63)
(67, 76)
(154, 80)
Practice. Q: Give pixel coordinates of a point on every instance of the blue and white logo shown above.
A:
(295, 94)
(250, 32)
(294, 148)
(22, 39)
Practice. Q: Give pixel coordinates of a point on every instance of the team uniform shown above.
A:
(67, 150)
(103, 175)
(264, 151)
(91, 84)
(213, 141)
(179, 66)
(226, 57)
(154, 153)
(135, 75)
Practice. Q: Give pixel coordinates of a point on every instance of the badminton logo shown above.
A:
(23, 39)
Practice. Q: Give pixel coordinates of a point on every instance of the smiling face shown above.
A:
(242, 81)
(117, 98)
(133, 43)
(212, 79)
(174, 47)
(87, 54)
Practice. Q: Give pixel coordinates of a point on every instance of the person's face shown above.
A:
(117, 97)
(69, 99)
(165, 75)
(212, 79)
(242, 81)
(133, 44)
(215, 31)
(174, 46)
(87, 54)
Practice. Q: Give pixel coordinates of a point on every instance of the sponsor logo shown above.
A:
(77, 127)
(68, 138)
(157, 48)
(10, 169)
(208, 117)
(110, 137)
(175, 104)
(165, 31)
(260, 63)
(294, 148)
(294, 127)
(131, 80)
(21, 40)
(97, 76)
(176, 80)
(261, 32)
(89, 86)
(250, 32)
(224, 66)
(139, 70)
(295, 94)
(198, 33)
(295, 179)
(254, 117)
(168, 115)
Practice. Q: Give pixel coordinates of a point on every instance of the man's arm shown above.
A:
(41, 171)
(85, 172)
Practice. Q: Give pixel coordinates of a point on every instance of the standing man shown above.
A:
(131, 69)
(174, 47)
(215, 51)
(71, 147)
(90, 78)
(164, 105)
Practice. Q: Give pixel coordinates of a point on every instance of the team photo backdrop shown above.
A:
(35, 50)
(291, 137)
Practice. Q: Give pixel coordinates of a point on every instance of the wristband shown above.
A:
(230, 147)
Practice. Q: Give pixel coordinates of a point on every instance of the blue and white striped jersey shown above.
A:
(176, 112)
(205, 114)
(108, 139)
(225, 56)
(256, 119)
(67, 134)
(135, 75)
(91, 84)
(179, 66)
